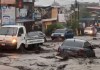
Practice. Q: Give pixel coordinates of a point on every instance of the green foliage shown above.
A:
(52, 27)
(73, 24)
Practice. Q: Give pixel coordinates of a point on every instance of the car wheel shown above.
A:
(22, 49)
(93, 53)
(52, 38)
(45, 40)
(90, 53)
(64, 55)
(37, 48)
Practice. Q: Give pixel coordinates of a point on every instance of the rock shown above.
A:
(22, 68)
(41, 64)
(61, 67)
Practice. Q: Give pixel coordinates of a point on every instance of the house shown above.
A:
(50, 14)
(17, 11)
(95, 14)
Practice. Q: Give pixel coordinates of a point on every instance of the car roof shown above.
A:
(76, 40)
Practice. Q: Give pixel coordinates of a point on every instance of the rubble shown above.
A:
(48, 57)
(23, 68)
(41, 64)
(61, 67)
(96, 38)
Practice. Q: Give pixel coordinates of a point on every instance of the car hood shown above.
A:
(5, 38)
(87, 30)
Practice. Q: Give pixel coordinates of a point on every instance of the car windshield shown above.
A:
(8, 31)
(59, 31)
(88, 28)
(73, 43)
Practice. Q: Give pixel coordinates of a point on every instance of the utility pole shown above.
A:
(77, 17)
(76, 10)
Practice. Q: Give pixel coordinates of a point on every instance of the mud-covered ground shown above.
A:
(46, 60)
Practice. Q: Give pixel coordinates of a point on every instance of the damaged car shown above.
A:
(76, 48)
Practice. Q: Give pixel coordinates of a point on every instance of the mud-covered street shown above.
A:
(46, 59)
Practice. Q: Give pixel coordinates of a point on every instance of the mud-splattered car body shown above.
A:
(76, 47)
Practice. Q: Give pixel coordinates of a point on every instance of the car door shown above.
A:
(21, 36)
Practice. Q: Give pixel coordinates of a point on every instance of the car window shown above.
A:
(69, 31)
(21, 31)
(8, 31)
(87, 44)
(88, 28)
(73, 43)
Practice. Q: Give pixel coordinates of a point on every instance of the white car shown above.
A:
(90, 31)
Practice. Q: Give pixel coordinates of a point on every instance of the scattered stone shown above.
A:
(41, 64)
(23, 68)
(96, 38)
(51, 69)
(53, 65)
(48, 57)
(91, 61)
(61, 67)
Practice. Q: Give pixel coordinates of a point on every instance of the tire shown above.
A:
(52, 38)
(22, 49)
(64, 55)
(37, 48)
(45, 40)
(91, 53)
